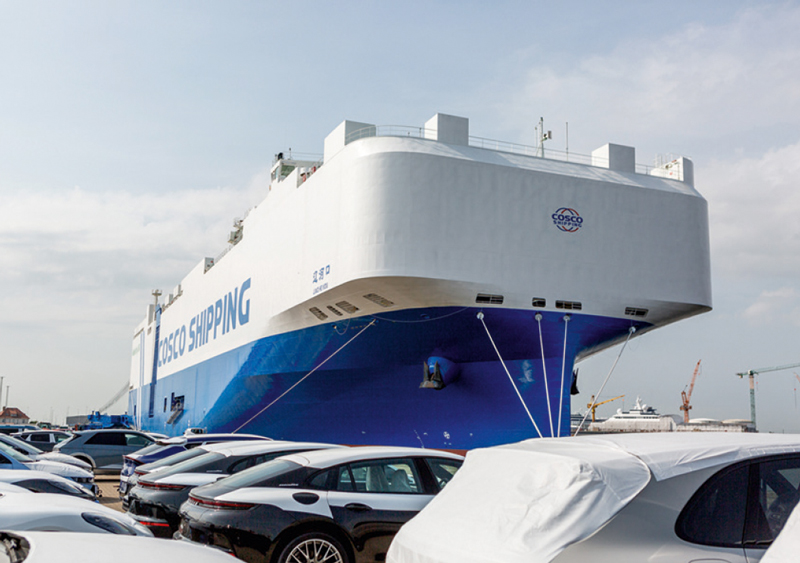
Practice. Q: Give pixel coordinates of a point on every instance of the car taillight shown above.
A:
(163, 486)
(220, 504)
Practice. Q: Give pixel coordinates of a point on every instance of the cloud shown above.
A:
(702, 81)
(76, 255)
(774, 306)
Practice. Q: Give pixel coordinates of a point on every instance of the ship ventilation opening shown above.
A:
(382, 301)
(487, 299)
(636, 312)
(177, 409)
(438, 373)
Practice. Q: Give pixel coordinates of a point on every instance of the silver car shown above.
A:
(103, 449)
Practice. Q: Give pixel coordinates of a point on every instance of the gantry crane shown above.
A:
(594, 405)
(751, 373)
(686, 397)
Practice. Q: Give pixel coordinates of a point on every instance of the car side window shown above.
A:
(715, 515)
(40, 437)
(778, 484)
(442, 469)
(136, 440)
(386, 476)
(107, 439)
(344, 481)
(4, 460)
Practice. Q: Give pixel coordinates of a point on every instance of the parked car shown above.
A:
(630, 497)
(62, 513)
(14, 428)
(156, 499)
(44, 440)
(103, 449)
(167, 447)
(12, 459)
(43, 482)
(347, 503)
(68, 547)
(36, 454)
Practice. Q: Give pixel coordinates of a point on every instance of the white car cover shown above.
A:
(786, 547)
(522, 502)
(529, 501)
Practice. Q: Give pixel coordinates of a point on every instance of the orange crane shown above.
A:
(686, 397)
(594, 405)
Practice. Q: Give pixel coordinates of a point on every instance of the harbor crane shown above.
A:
(594, 405)
(751, 373)
(686, 397)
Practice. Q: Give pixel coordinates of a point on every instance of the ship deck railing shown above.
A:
(500, 146)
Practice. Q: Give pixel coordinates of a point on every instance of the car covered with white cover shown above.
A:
(12, 459)
(43, 482)
(676, 497)
(68, 547)
(61, 513)
(37, 454)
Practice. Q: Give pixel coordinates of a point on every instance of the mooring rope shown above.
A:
(563, 368)
(538, 318)
(372, 322)
(631, 330)
(511, 379)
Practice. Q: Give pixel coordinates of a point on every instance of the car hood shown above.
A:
(58, 468)
(520, 503)
(64, 458)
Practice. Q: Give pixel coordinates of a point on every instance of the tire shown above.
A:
(314, 547)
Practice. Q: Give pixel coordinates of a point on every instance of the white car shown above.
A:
(37, 454)
(66, 547)
(43, 482)
(62, 513)
(12, 459)
(676, 497)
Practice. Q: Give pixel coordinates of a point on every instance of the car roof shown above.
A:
(668, 454)
(247, 448)
(326, 458)
(194, 438)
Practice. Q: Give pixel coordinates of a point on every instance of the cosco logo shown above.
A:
(567, 219)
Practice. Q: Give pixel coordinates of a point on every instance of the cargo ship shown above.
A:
(422, 286)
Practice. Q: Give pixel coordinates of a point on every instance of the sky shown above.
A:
(133, 133)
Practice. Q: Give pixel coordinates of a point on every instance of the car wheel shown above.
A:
(85, 458)
(314, 548)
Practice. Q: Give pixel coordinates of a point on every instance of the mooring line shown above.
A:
(563, 369)
(631, 330)
(372, 322)
(538, 318)
(511, 379)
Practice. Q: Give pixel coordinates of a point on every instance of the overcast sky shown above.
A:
(132, 133)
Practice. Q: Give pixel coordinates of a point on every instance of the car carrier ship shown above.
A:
(420, 286)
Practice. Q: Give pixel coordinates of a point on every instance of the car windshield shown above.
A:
(11, 452)
(174, 459)
(201, 464)
(20, 445)
(259, 475)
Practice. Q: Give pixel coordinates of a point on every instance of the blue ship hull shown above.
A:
(369, 391)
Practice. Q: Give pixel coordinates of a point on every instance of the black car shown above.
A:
(157, 497)
(338, 505)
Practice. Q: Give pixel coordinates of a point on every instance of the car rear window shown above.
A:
(275, 473)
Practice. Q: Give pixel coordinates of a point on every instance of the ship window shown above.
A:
(375, 298)
(569, 305)
(489, 299)
(317, 313)
(538, 302)
(635, 312)
(335, 311)
(347, 306)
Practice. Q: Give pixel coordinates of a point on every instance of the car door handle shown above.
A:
(357, 507)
